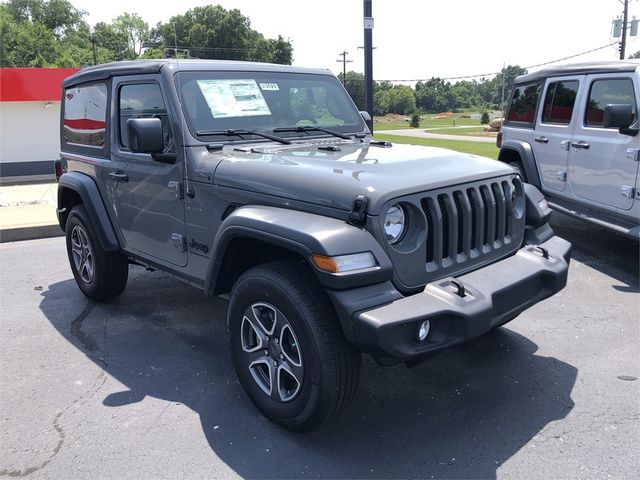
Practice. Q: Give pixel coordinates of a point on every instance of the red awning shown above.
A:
(32, 84)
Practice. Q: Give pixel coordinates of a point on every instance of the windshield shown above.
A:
(216, 102)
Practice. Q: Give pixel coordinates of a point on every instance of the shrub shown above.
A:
(484, 119)
(415, 120)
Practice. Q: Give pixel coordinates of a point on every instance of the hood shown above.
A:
(307, 171)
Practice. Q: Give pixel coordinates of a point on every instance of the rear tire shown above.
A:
(99, 274)
(288, 348)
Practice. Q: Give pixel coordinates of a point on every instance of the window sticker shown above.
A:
(233, 98)
(269, 86)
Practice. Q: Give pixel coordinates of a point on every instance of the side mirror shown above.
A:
(617, 116)
(367, 119)
(145, 135)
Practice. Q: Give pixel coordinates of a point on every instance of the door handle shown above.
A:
(119, 176)
(580, 144)
(541, 139)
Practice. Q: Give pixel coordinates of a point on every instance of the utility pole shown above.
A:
(344, 65)
(502, 94)
(93, 43)
(368, 59)
(623, 41)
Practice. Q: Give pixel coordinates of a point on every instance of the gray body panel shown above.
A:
(333, 179)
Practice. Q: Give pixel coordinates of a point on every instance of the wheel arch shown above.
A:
(252, 235)
(76, 188)
(512, 151)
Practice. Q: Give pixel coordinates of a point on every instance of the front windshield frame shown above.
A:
(198, 116)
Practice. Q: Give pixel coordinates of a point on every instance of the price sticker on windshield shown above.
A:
(269, 86)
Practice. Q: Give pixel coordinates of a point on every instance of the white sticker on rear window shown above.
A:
(233, 98)
(269, 86)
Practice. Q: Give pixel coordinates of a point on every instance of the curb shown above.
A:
(30, 233)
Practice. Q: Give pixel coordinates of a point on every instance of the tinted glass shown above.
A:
(559, 101)
(608, 92)
(85, 115)
(523, 104)
(143, 101)
(262, 101)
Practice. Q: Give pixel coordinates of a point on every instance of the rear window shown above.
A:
(85, 116)
(559, 102)
(609, 91)
(524, 102)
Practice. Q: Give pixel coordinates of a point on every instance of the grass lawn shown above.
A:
(429, 121)
(476, 148)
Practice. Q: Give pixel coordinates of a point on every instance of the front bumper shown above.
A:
(492, 296)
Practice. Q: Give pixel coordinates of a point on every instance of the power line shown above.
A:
(497, 73)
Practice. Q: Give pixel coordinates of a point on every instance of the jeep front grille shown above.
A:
(466, 223)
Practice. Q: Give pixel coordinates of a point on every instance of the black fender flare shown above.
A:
(304, 234)
(86, 187)
(524, 150)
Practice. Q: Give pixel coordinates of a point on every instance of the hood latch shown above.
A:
(358, 213)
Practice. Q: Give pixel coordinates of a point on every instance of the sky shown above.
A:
(416, 39)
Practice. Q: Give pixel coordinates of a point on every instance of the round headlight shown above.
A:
(394, 223)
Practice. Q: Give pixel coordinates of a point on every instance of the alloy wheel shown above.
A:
(272, 351)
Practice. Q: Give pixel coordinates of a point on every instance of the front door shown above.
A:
(602, 166)
(553, 130)
(146, 194)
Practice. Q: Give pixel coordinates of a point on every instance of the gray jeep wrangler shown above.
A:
(262, 183)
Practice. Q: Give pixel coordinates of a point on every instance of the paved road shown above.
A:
(412, 132)
(143, 387)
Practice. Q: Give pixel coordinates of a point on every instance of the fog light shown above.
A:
(423, 330)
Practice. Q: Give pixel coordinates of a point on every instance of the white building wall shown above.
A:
(29, 133)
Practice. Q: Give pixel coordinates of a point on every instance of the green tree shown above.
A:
(216, 33)
(634, 55)
(25, 43)
(135, 29)
(355, 86)
(113, 44)
(434, 96)
(484, 118)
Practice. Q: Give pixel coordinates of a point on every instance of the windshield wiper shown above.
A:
(240, 133)
(310, 128)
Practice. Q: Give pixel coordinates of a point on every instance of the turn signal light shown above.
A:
(344, 263)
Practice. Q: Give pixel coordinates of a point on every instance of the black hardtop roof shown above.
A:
(580, 68)
(140, 67)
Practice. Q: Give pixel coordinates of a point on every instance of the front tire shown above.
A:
(99, 274)
(288, 348)
(520, 169)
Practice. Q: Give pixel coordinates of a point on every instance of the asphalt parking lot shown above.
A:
(143, 387)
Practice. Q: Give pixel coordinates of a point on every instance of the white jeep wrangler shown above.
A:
(572, 131)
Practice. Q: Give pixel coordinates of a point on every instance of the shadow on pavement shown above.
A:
(460, 415)
(601, 249)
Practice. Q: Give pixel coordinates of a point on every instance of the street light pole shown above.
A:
(368, 58)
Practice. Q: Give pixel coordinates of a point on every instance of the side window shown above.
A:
(605, 92)
(143, 100)
(559, 101)
(524, 102)
(85, 115)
